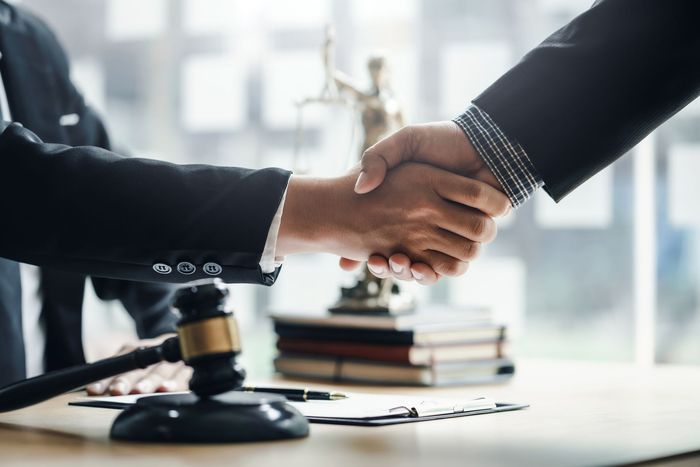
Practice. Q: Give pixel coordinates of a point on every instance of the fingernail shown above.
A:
(397, 268)
(96, 388)
(167, 386)
(118, 389)
(361, 179)
(375, 269)
(144, 387)
(417, 276)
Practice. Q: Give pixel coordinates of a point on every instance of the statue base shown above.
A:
(232, 417)
(395, 304)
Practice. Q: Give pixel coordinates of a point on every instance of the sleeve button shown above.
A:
(212, 269)
(162, 268)
(186, 268)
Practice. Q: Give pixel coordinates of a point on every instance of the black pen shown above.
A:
(298, 395)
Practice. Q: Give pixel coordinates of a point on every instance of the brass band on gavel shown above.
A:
(209, 336)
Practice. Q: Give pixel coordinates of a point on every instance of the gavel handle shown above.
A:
(40, 388)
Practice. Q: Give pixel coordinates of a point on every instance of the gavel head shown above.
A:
(209, 338)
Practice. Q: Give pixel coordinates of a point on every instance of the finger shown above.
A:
(349, 264)
(384, 156)
(179, 381)
(378, 266)
(122, 384)
(470, 192)
(99, 388)
(154, 377)
(400, 266)
(445, 265)
(424, 274)
(467, 222)
(455, 246)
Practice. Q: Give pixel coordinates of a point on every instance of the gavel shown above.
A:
(208, 341)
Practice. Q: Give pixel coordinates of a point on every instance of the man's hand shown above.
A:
(161, 377)
(441, 144)
(430, 215)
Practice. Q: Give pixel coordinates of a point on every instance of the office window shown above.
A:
(287, 78)
(214, 94)
(612, 272)
(213, 16)
(387, 11)
(467, 69)
(589, 206)
(135, 19)
(297, 14)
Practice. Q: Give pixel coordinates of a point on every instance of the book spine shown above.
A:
(386, 353)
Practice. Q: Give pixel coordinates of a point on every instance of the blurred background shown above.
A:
(610, 273)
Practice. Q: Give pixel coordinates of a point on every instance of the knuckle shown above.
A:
(474, 191)
(471, 250)
(504, 206)
(478, 227)
(448, 267)
(483, 228)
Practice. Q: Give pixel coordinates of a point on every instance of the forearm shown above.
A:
(596, 87)
(313, 215)
(89, 210)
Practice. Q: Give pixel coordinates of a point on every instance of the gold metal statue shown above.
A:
(380, 115)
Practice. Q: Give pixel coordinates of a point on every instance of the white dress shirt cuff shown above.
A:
(269, 261)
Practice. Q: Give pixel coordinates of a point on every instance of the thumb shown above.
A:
(384, 156)
(372, 172)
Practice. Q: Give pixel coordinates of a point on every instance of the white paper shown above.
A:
(361, 405)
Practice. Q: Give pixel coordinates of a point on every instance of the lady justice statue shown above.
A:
(380, 114)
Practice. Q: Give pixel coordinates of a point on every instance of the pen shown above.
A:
(299, 395)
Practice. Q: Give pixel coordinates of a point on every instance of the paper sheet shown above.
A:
(363, 405)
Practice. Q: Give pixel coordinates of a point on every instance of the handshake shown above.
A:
(419, 206)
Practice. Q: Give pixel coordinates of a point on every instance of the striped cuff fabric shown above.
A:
(504, 156)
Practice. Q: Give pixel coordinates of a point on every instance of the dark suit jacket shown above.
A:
(599, 85)
(39, 93)
(89, 210)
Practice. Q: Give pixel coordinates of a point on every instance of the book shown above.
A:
(433, 315)
(425, 335)
(409, 354)
(365, 371)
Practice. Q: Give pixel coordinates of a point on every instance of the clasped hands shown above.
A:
(418, 206)
(443, 145)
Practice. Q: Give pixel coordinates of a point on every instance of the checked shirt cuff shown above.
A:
(504, 156)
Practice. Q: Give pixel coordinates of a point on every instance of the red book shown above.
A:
(409, 354)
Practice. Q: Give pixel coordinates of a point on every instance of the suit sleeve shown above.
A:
(89, 210)
(596, 87)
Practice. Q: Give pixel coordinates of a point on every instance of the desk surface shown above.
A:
(581, 414)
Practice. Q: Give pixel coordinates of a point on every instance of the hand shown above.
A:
(161, 377)
(442, 144)
(428, 214)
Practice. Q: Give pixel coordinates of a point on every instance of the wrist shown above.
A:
(478, 168)
(311, 215)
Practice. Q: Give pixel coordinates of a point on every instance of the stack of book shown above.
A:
(430, 348)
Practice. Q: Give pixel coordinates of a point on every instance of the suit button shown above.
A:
(186, 268)
(162, 268)
(213, 269)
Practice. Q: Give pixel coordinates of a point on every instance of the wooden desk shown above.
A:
(581, 414)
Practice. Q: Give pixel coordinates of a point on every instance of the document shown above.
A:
(356, 406)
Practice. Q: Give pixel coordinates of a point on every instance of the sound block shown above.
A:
(232, 417)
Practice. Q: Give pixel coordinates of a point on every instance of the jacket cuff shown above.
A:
(503, 155)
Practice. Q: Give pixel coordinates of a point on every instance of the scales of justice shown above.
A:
(380, 115)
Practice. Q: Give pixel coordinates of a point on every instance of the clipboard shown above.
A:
(368, 409)
(407, 418)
